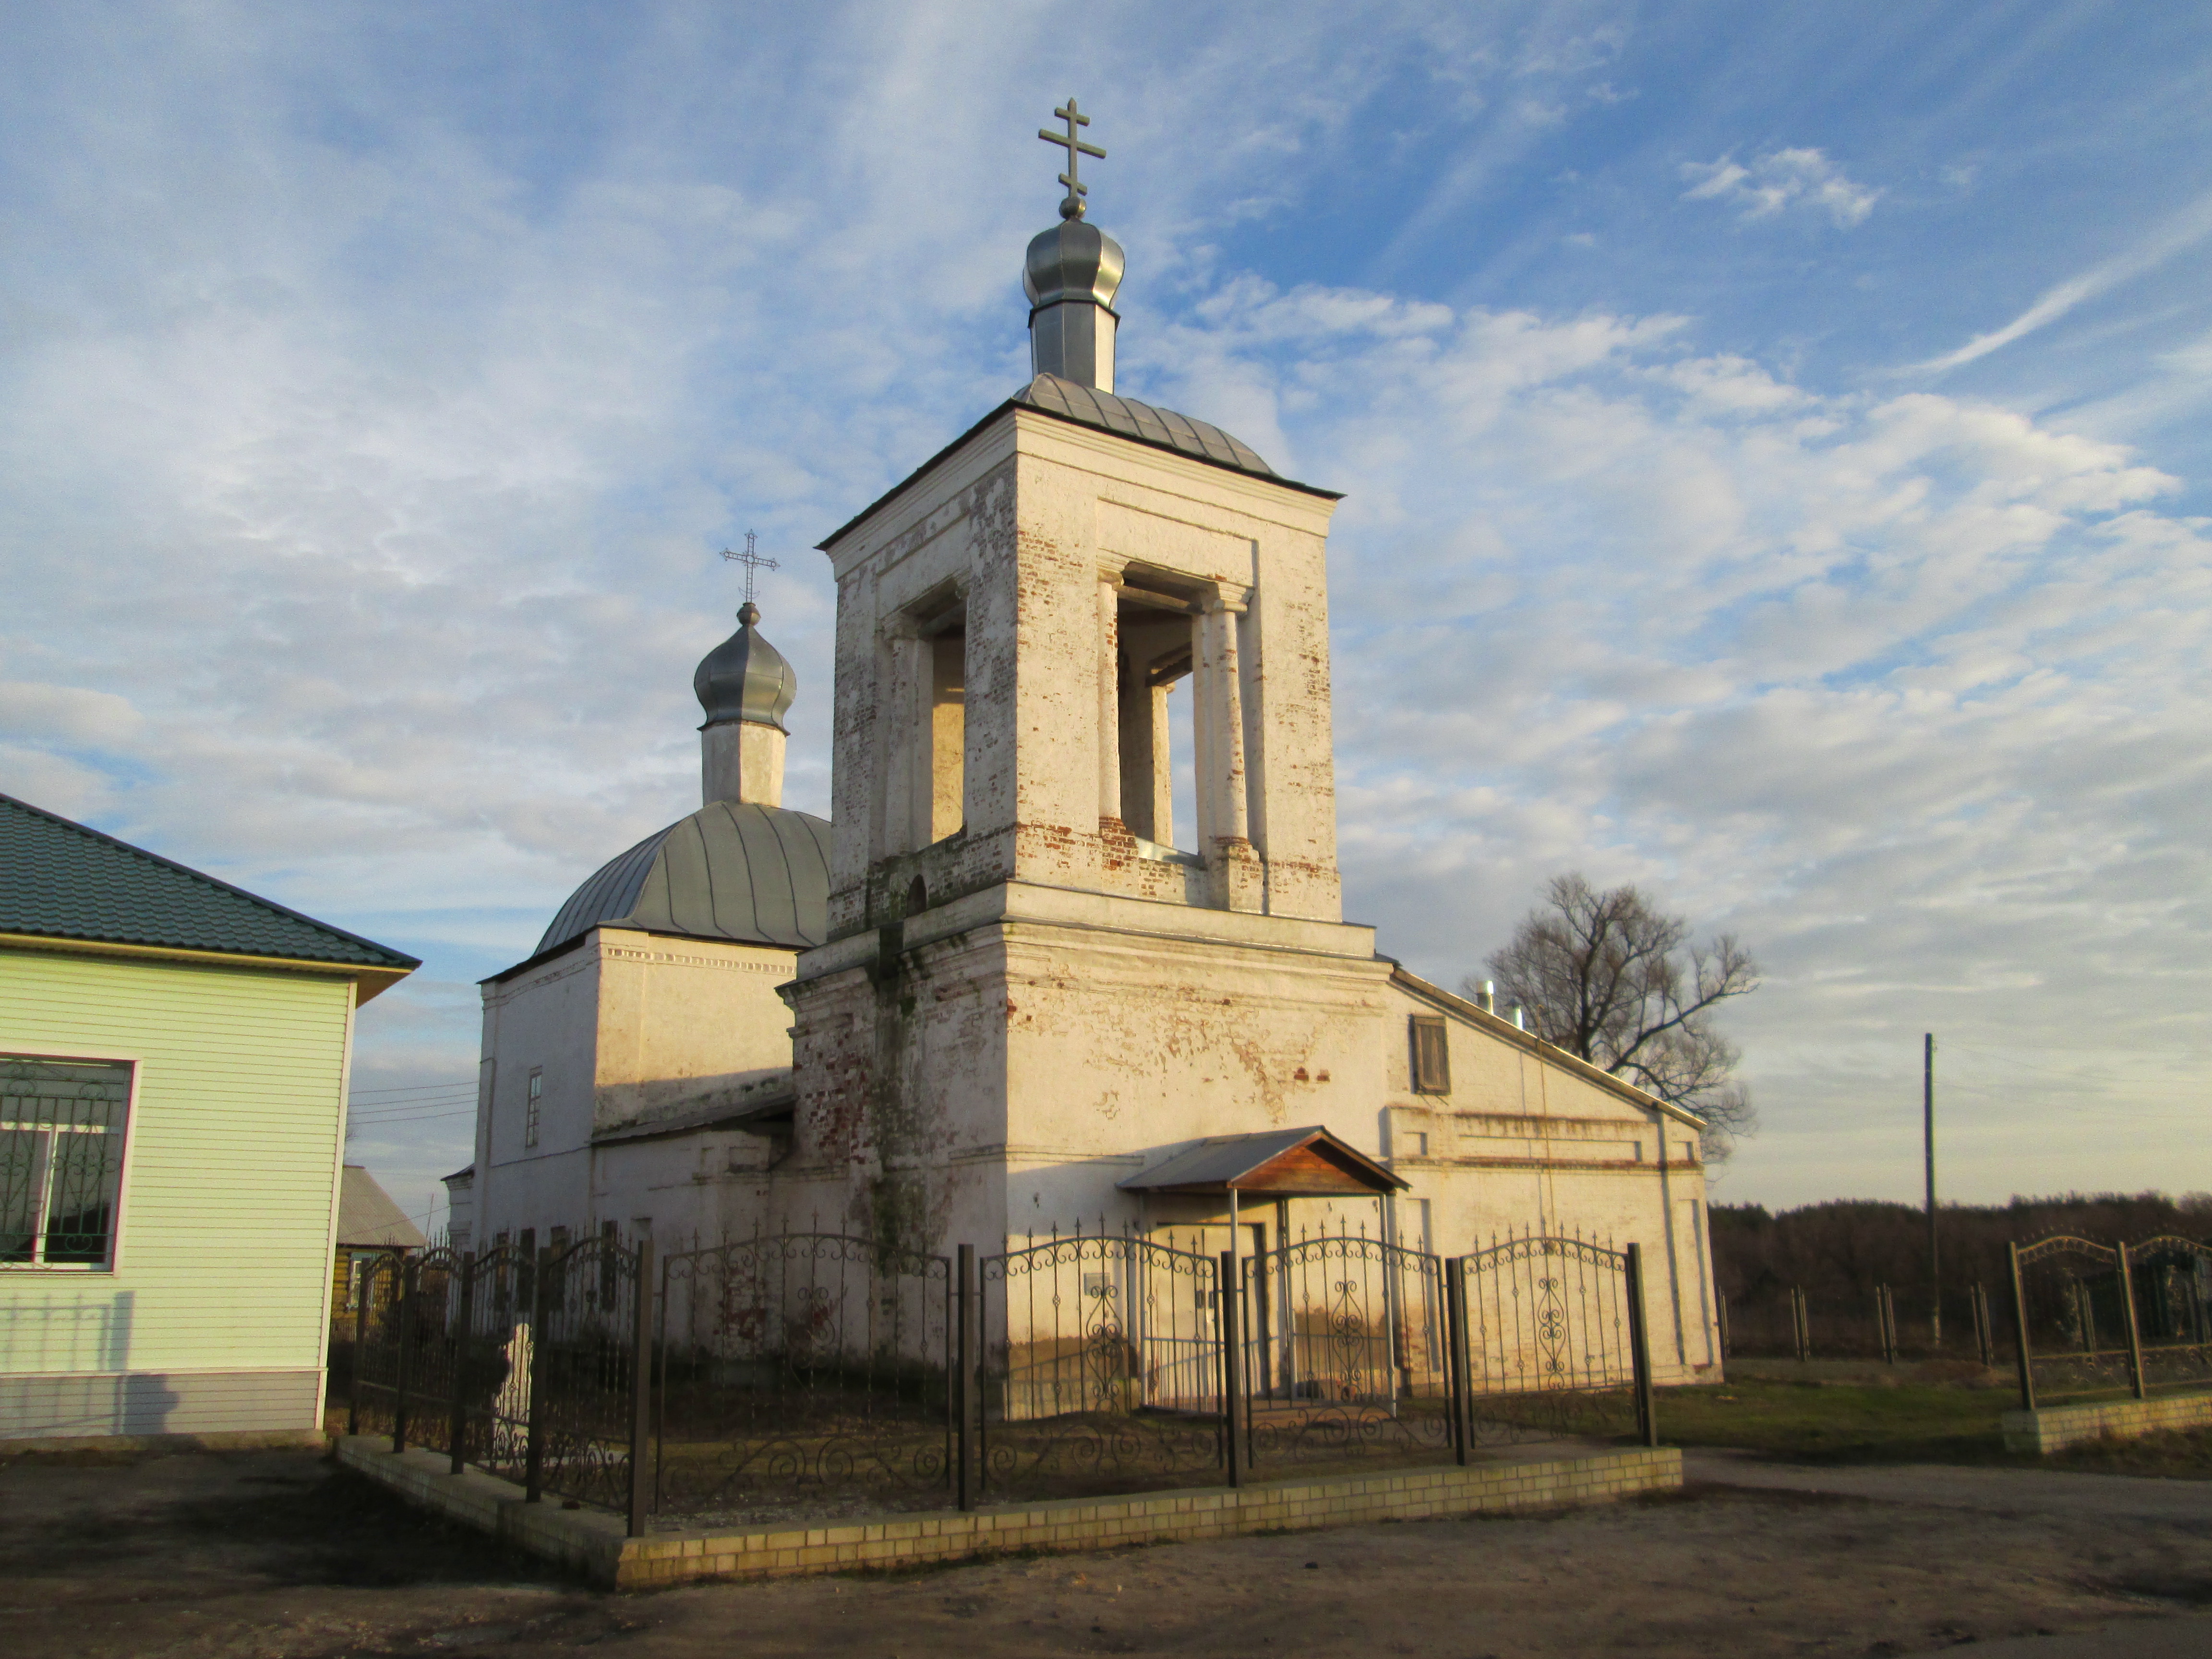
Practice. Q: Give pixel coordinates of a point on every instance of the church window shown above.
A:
(1432, 1056)
(534, 1096)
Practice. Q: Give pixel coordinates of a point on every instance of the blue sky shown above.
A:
(1773, 439)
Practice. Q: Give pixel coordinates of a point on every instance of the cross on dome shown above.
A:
(753, 560)
(1072, 208)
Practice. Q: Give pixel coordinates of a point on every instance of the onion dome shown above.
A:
(733, 870)
(1074, 261)
(745, 678)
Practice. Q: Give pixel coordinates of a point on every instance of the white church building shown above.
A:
(1003, 991)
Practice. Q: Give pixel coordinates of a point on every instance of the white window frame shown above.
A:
(534, 1098)
(115, 1231)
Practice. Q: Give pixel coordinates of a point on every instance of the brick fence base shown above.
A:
(593, 1542)
(2049, 1427)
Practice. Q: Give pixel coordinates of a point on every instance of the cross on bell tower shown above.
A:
(1072, 208)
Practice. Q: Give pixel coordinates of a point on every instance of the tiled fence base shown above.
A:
(2049, 1427)
(594, 1542)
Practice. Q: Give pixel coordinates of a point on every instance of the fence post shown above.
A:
(365, 1283)
(1721, 1304)
(1983, 1337)
(1455, 1363)
(1639, 1343)
(456, 1428)
(2019, 1329)
(640, 1392)
(963, 1377)
(399, 1365)
(1800, 1322)
(1232, 1414)
(533, 1455)
(2127, 1307)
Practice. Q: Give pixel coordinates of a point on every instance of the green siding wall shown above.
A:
(223, 1262)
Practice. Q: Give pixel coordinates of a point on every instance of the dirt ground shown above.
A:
(279, 1553)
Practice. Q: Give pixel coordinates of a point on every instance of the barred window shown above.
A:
(62, 1124)
(1431, 1059)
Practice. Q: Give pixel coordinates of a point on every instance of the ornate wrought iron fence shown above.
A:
(587, 1360)
(2172, 1280)
(531, 1369)
(1555, 1340)
(1346, 1353)
(492, 1313)
(1100, 1364)
(798, 1364)
(2074, 1318)
(375, 1400)
(2095, 1318)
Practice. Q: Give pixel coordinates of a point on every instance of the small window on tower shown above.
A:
(1431, 1059)
(530, 1108)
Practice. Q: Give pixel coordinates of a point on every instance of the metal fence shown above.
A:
(1346, 1353)
(1556, 1342)
(802, 1364)
(2092, 1318)
(1100, 1366)
(527, 1366)
(757, 1378)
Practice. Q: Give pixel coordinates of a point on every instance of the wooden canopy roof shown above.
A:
(1308, 1163)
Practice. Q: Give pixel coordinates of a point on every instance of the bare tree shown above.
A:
(1613, 980)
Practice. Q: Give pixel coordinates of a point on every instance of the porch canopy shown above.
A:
(1308, 1163)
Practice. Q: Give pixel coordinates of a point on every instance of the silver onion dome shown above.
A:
(1073, 260)
(1071, 275)
(745, 678)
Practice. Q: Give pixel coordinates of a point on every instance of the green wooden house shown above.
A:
(174, 1060)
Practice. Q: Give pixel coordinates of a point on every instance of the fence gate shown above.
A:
(1555, 1340)
(799, 1363)
(1101, 1365)
(1345, 1351)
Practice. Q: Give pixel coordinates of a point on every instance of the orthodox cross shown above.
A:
(1072, 207)
(753, 560)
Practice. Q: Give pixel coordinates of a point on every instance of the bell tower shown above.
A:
(1022, 935)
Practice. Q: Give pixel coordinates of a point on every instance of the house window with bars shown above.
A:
(1432, 1058)
(62, 1124)
(530, 1108)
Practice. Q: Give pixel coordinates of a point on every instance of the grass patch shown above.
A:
(1910, 1420)
(1830, 1422)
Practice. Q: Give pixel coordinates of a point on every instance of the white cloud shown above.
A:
(364, 466)
(2178, 233)
(1781, 179)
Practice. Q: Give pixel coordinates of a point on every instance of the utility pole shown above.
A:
(1928, 1131)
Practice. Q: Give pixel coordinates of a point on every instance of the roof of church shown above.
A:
(733, 870)
(59, 879)
(1083, 405)
(1086, 405)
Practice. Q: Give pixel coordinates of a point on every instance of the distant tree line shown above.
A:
(1839, 1251)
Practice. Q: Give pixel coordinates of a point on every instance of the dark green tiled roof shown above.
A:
(61, 880)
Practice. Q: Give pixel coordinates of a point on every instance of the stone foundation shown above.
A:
(594, 1542)
(2051, 1427)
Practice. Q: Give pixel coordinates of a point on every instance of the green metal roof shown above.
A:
(60, 880)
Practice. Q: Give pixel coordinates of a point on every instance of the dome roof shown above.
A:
(733, 870)
(745, 678)
(1164, 428)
